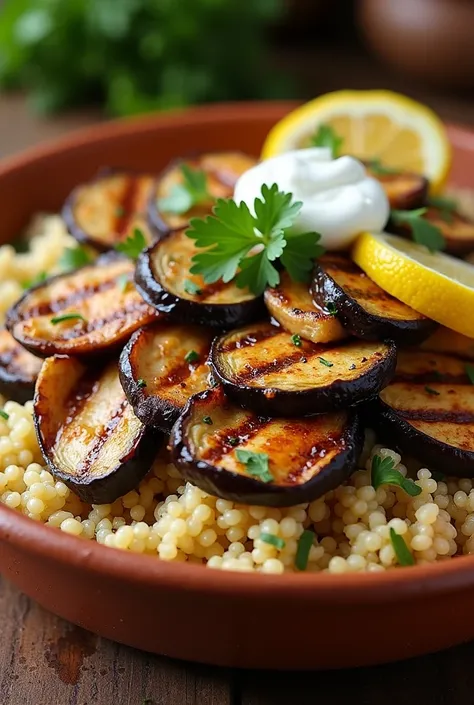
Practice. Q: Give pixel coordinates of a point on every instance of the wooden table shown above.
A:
(45, 661)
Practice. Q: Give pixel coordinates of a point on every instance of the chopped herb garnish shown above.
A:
(207, 420)
(133, 245)
(191, 192)
(470, 372)
(74, 257)
(123, 281)
(67, 317)
(384, 473)
(141, 383)
(305, 542)
(4, 415)
(119, 212)
(232, 441)
(273, 540)
(191, 356)
(331, 308)
(232, 232)
(257, 464)
(326, 136)
(191, 288)
(324, 362)
(402, 551)
(41, 277)
(296, 340)
(379, 169)
(432, 391)
(424, 232)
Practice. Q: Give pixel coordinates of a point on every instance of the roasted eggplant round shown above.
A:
(161, 367)
(291, 305)
(105, 211)
(163, 279)
(91, 311)
(19, 369)
(88, 434)
(273, 373)
(448, 341)
(405, 190)
(234, 454)
(457, 229)
(428, 412)
(363, 308)
(172, 205)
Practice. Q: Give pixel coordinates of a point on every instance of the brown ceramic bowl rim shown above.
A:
(29, 536)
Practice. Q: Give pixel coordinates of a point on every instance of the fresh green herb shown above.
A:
(74, 257)
(41, 277)
(446, 205)
(119, 212)
(257, 464)
(232, 441)
(326, 363)
(402, 551)
(232, 233)
(326, 136)
(141, 383)
(123, 281)
(67, 317)
(331, 308)
(191, 356)
(133, 245)
(192, 288)
(305, 542)
(273, 540)
(4, 415)
(432, 391)
(470, 372)
(424, 232)
(296, 340)
(191, 192)
(380, 169)
(207, 420)
(384, 473)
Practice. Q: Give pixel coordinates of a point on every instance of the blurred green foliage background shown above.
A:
(134, 56)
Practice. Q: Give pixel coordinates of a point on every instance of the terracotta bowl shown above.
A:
(187, 611)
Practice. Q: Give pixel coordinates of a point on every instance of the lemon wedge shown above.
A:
(392, 128)
(437, 285)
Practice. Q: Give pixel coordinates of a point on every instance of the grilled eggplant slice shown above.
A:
(88, 434)
(18, 369)
(457, 229)
(161, 367)
(221, 169)
(363, 308)
(90, 311)
(405, 190)
(306, 457)
(106, 211)
(448, 341)
(264, 369)
(291, 305)
(163, 279)
(428, 412)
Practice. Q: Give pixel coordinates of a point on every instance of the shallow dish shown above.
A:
(281, 622)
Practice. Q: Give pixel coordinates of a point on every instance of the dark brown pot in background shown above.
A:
(432, 40)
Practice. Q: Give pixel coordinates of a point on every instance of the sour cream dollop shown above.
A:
(339, 199)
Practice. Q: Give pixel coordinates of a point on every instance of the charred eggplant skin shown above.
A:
(17, 382)
(358, 321)
(185, 311)
(242, 488)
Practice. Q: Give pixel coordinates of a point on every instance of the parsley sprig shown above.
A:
(74, 257)
(379, 169)
(191, 192)
(239, 245)
(133, 245)
(326, 136)
(383, 472)
(256, 464)
(424, 232)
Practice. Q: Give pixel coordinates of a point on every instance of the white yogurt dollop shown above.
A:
(339, 199)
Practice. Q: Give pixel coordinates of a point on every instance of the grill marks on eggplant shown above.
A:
(155, 375)
(88, 433)
(106, 211)
(109, 311)
(222, 169)
(322, 453)
(18, 369)
(162, 277)
(291, 305)
(363, 308)
(429, 411)
(262, 369)
(404, 190)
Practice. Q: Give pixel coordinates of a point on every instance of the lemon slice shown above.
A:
(437, 285)
(382, 125)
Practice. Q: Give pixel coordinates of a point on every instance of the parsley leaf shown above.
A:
(379, 169)
(67, 317)
(4, 415)
(191, 192)
(305, 542)
(300, 251)
(424, 232)
(257, 464)
(74, 257)
(331, 308)
(133, 245)
(402, 551)
(470, 372)
(326, 136)
(296, 340)
(383, 473)
(192, 288)
(191, 356)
